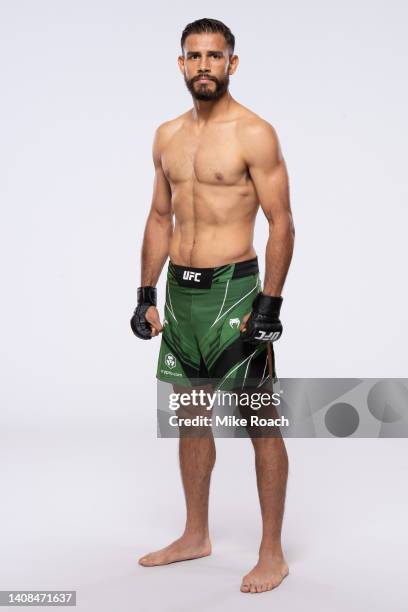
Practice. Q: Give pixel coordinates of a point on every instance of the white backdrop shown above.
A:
(84, 85)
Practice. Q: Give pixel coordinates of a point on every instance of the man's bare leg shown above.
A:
(271, 463)
(197, 458)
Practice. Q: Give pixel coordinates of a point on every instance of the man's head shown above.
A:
(207, 59)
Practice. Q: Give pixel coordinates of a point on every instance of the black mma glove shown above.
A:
(263, 324)
(146, 297)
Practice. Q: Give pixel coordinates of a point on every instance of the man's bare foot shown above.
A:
(267, 574)
(182, 549)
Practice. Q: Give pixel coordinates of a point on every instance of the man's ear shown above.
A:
(180, 61)
(233, 64)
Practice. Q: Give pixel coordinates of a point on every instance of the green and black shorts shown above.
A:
(201, 341)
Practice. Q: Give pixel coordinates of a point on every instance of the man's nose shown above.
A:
(204, 65)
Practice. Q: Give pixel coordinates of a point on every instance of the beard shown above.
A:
(203, 91)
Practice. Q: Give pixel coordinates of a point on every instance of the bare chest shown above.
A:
(213, 157)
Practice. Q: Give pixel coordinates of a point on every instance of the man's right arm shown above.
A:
(159, 225)
(145, 322)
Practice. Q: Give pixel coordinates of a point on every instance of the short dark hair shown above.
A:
(208, 25)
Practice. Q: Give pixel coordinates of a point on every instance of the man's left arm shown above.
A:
(267, 169)
(269, 174)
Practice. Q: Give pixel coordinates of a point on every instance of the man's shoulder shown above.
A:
(258, 138)
(168, 128)
(251, 126)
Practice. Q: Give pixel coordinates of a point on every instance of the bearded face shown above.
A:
(206, 64)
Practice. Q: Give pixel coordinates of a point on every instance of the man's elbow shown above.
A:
(283, 225)
(161, 218)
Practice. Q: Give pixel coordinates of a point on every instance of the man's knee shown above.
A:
(194, 414)
(258, 409)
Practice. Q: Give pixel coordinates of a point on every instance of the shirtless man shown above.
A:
(214, 166)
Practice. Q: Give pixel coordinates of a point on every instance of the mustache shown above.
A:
(201, 76)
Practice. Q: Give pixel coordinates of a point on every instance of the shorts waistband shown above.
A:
(203, 278)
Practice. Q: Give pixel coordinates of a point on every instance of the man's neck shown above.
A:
(211, 110)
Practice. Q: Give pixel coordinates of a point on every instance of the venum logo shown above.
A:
(190, 275)
(234, 323)
(170, 361)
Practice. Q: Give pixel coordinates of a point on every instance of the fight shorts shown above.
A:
(201, 341)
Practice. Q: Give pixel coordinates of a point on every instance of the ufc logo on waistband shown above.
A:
(267, 337)
(190, 275)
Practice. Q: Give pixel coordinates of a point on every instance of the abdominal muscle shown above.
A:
(209, 246)
(214, 224)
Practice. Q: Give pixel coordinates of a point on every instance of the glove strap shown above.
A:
(147, 295)
(269, 305)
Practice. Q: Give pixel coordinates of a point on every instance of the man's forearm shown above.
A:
(278, 255)
(155, 248)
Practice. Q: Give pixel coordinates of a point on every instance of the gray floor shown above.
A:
(79, 508)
